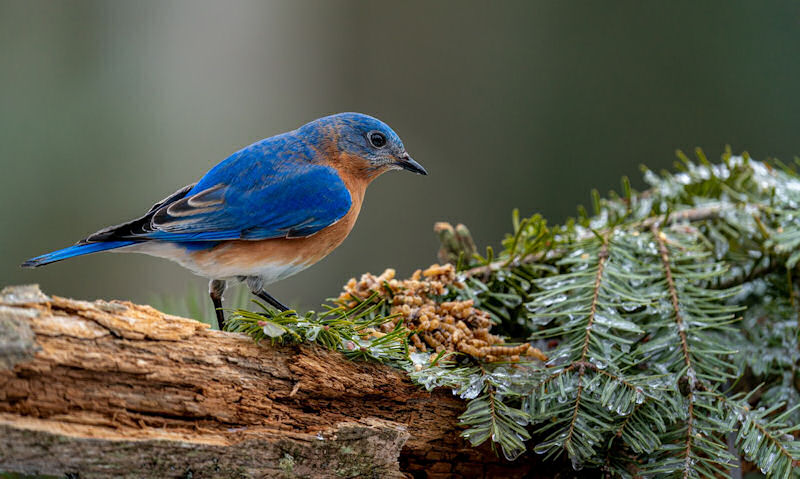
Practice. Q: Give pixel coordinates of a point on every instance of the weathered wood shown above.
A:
(114, 389)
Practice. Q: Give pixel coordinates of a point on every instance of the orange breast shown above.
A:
(245, 255)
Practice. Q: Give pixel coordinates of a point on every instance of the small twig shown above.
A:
(497, 265)
(691, 215)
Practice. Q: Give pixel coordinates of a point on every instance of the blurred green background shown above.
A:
(106, 107)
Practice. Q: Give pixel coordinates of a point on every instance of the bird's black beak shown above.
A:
(408, 163)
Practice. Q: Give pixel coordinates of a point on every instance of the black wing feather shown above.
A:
(139, 226)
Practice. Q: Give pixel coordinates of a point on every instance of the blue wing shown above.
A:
(270, 189)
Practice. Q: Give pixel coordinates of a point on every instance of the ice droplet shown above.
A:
(553, 300)
(597, 362)
(272, 330)
(473, 389)
(766, 465)
(512, 453)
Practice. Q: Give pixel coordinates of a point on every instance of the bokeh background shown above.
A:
(106, 107)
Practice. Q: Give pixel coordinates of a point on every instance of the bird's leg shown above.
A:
(256, 286)
(215, 289)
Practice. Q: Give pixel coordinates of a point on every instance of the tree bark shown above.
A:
(115, 389)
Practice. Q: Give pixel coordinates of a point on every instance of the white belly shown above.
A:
(268, 271)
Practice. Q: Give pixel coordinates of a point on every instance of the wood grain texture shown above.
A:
(115, 389)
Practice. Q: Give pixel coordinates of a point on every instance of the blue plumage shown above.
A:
(273, 188)
(257, 193)
(306, 199)
(249, 217)
(72, 251)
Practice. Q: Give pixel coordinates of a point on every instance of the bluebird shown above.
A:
(268, 211)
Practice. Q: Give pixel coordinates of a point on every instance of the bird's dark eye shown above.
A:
(377, 139)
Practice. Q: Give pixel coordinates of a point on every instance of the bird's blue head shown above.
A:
(366, 138)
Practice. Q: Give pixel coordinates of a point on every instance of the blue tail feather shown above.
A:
(77, 250)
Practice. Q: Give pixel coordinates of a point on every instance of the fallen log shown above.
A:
(115, 389)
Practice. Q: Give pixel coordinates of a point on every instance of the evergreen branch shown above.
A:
(660, 238)
(602, 257)
(769, 443)
(701, 213)
(487, 416)
(775, 442)
(348, 330)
